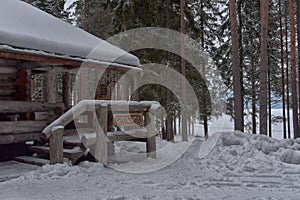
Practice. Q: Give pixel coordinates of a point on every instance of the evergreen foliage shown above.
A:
(53, 7)
(206, 21)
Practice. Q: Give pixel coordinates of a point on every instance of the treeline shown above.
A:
(252, 43)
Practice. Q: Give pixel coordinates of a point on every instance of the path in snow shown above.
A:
(187, 178)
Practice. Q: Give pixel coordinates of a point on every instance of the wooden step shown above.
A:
(72, 154)
(32, 160)
(72, 140)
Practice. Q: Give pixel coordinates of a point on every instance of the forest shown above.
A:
(254, 45)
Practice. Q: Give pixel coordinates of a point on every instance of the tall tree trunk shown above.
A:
(203, 97)
(183, 72)
(237, 86)
(86, 14)
(287, 71)
(282, 72)
(270, 103)
(169, 122)
(241, 48)
(298, 33)
(253, 94)
(293, 69)
(263, 75)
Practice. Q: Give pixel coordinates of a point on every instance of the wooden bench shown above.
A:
(123, 121)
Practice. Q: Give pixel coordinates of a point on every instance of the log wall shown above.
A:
(14, 81)
(8, 80)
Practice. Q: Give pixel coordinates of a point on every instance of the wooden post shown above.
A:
(193, 127)
(67, 90)
(125, 87)
(56, 145)
(50, 86)
(23, 84)
(101, 149)
(151, 137)
(136, 80)
(83, 83)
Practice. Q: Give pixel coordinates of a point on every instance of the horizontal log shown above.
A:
(7, 84)
(7, 92)
(10, 139)
(29, 106)
(21, 127)
(39, 116)
(8, 77)
(8, 62)
(7, 98)
(8, 69)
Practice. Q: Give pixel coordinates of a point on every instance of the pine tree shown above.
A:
(93, 17)
(53, 7)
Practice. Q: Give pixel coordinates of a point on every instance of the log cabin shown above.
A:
(40, 56)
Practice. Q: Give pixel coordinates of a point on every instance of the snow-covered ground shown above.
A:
(229, 165)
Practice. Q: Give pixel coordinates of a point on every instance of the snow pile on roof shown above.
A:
(242, 152)
(26, 27)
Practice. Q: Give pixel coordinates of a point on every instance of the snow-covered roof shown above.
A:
(26, 27)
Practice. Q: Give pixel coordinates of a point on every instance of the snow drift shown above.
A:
(243, 152)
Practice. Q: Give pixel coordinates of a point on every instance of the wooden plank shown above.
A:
(72, 142)
(72, 154)
(56, 146)
(60, 61)
(37, 58)
(88, 141)
(21, 127)
(32, 160)
(20, 138)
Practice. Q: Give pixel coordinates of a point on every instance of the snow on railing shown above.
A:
(54, 132)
